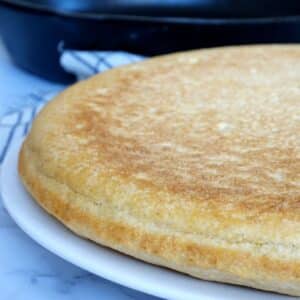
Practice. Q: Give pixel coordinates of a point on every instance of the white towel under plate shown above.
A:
(82, 64)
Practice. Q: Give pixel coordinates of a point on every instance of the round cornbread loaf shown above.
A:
(190, 161)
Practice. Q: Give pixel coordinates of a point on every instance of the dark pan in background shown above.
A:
(32, 30)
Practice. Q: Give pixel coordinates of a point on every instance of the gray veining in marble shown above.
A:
(28, 271)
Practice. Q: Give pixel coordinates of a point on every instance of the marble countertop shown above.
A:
(28, 271)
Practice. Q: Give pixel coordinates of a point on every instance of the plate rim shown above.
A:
(149, 287)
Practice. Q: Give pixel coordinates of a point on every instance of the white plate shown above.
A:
(105, 262)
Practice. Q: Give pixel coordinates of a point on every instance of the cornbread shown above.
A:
(189, 161)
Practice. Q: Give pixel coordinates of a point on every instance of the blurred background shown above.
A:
(36, 31)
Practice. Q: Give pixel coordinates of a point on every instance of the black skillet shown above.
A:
(33, 29)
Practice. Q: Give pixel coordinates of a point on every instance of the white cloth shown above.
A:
(82, 64)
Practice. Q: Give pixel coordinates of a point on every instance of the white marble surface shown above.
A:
(28, 271)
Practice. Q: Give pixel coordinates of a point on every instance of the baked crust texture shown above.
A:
(189, 161)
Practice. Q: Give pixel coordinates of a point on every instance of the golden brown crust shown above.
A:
(189, 161)
(182, 254)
